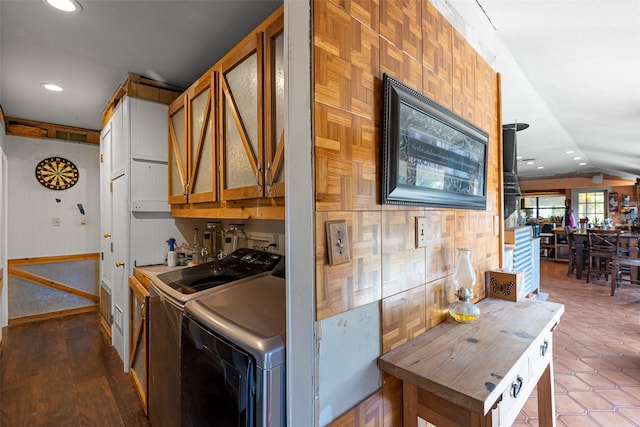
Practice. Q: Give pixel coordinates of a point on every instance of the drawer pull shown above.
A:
(516, 386)
(544, 347)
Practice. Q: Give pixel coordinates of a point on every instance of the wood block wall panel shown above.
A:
(438, 88)
(346, 286)
(464, 67)
(369, 413)
(405, 317)
(400, 23)
(345, 61)
(365, 11)
(403, 265)
(355, 42)
(437, 41)
(440, 244)
(440, 294)
(484, 91)
(346, 157)
(400, 65)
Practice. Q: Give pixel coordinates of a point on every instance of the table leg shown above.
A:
(546, 399)
(409, 404)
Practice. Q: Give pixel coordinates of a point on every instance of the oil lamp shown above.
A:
(464, 279)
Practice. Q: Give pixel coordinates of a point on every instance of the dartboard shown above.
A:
(57, 173)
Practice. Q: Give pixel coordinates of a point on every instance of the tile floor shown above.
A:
(596, 353)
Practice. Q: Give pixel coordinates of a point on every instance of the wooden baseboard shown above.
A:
(52, 314)
(50, 259)
(105, 328)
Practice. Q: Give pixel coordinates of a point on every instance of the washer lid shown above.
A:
(251, 314)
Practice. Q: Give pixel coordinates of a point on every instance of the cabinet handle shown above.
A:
(516, 386)
(142, 310)
(259, 178)
(544, 347)
(119, 263)
(269, 175)
(107, 235)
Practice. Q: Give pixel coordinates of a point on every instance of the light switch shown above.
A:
(338, 242)
(421, 232)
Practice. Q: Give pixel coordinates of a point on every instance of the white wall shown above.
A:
(31, 207)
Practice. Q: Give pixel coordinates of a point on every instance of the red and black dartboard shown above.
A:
(57, 173)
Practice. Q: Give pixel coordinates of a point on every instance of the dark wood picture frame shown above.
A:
(430, 155)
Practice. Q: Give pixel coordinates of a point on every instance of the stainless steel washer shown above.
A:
(169, 292)
(233, 356)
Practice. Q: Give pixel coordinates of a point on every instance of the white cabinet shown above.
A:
(136, 217)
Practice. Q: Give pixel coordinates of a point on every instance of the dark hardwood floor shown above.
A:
(64, 372)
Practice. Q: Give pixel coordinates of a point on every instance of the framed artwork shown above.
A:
(430, 155)
(613, 202)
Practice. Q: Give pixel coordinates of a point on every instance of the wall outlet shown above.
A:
(338, 242)
(421, 232)
(55, 222)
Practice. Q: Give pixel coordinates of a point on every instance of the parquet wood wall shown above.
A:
(355, 42)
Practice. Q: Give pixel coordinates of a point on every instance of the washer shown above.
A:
(233, 355)
(169, 292)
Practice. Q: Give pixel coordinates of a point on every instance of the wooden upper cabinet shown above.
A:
(241, 121)
(274, 108)
(201, 114)
(177, 155)
(192, 171)
(251, 115)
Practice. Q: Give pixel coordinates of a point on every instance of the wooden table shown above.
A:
(629, 240)
(479, 374)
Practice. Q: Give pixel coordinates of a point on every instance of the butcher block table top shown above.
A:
(469, 364)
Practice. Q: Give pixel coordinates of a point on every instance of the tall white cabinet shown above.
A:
(135, 216)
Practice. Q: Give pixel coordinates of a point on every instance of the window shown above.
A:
(550, 207)
(591, 204)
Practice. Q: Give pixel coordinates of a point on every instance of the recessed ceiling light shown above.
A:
(518, 157)
(71, 6)
(582, 163)
(569, 152)
(530, 162)
(577, 158)
(52, 87)
(540, 167)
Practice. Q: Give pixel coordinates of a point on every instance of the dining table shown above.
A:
(628, 242)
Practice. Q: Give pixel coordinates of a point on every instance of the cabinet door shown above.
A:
(274, 108)
(148, 130)
(202, 171)
(139, 337)
(241, 121)
(119, 141)
(122, 270)
(106, 248)
(178, 151)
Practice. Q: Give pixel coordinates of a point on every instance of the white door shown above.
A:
(106, 251)
(121, 235)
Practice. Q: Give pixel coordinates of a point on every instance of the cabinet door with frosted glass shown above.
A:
(241, 121)
(178, 151)
(274, 108)
(201, 136)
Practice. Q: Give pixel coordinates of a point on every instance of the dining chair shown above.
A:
(571, 241)
(602, 246)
